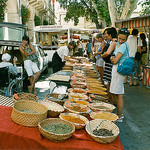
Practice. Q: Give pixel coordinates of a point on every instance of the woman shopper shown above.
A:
(31, 67)
(61, 55)
(112, 36)
(117, 82)
(143, 49)
(100, 61)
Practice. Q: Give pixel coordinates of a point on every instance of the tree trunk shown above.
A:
(132, 8)
(125, 10)
(112, 11)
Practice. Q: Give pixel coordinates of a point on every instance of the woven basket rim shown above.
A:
(112, 107)
(63, 100)
(25, 93)
(102, 136)
(20, 101)
(78, 111)
(72, 125)
(73, 114)
(55, 104)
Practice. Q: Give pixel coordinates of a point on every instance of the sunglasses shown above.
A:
(124, 30)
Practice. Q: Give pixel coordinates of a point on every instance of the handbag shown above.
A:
(126, 68)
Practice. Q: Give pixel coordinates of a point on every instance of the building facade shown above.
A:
(40, 8)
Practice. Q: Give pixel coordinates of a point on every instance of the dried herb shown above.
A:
(58, 128)
(102, 132)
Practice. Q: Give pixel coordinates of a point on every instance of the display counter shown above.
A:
(18, 137)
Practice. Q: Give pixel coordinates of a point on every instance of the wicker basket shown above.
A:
(68, 108)
(107, 107)
(97, 88)
(55, 98)
(83, 102)
(28, 113)
(78, 85)
(25, 96)
(104, 115)
(77, 96)
(52, 136)
(77, 90)
(77, 125)
(54, 109)
(98, 98)
(67, 68)
(98, 124)
(98, 92)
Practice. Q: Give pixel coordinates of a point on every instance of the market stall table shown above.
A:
(14, 136)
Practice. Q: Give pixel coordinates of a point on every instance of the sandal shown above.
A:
(120, 119)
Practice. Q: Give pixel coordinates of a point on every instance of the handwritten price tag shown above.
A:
(74, 81)
(92, 96)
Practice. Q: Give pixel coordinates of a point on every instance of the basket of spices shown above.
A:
(104, 115)
(28, 113)
(102, 131)
(78, 120)
(54, 109)
(98, 98)
(77, 96)
(76, 84)
(102, 107)
(79, 102)
(77, 90)
(56, 130)
(24, 96)
(76, 108)
(55, 97)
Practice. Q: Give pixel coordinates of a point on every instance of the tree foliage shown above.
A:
(84, 8)
(145, 7)
(95, 10)
(3, 4)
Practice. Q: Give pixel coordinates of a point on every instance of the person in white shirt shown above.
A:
(5, 63)
(135, 44)
(61, 55)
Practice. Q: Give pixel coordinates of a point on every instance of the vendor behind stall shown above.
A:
(61, 55)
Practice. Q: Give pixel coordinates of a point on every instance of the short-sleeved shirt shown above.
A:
(62, 52)
(89, 45)
(133, 44)
(12, 69)
(123, 49)
(99, 50)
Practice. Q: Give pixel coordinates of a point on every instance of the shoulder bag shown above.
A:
(126, 68)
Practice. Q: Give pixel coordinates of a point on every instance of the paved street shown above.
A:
(135, 128)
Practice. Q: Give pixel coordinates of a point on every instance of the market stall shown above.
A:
(142, 23)
(39, 124)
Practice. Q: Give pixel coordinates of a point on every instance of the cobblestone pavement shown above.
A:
(135, 128)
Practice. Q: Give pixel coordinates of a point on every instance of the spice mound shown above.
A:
(101, 107)
(73, 119)
(102, 132)
(58, 128)
(105, 115)
(78, 108)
